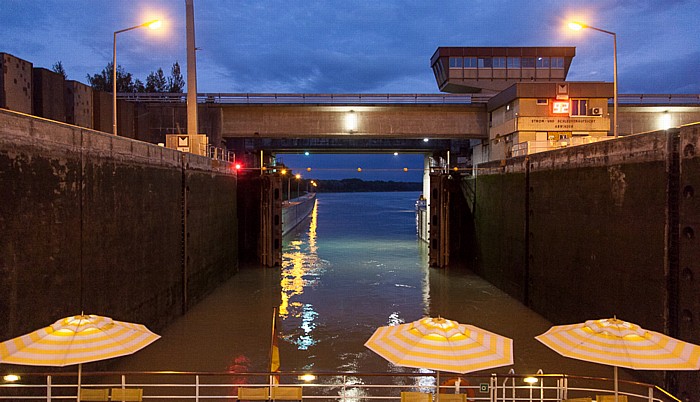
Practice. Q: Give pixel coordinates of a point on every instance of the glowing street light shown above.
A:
(155, 24)
(577, 26)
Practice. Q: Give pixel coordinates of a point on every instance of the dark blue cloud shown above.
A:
(351, 46)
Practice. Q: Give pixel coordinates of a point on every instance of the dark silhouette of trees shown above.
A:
(358, 185)
(58, 68)
(155, 82)
(176, 84)
(103, 80)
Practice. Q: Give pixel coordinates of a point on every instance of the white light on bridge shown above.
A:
(351, 121)
(665, 121)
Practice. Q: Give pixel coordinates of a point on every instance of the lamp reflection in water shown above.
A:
(301, 268)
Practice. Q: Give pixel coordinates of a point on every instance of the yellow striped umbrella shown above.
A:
(76, 340)
(442, 345)
(619, 343)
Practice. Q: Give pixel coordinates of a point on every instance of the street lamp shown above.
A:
(151, 24)
(577, 26)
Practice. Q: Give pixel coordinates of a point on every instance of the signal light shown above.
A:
(238, 166)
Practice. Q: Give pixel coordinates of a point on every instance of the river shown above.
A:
(357, 264)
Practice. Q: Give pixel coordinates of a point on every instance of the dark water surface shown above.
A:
(357, 264)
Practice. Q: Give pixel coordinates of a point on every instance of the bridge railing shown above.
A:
(659, 99)
(310, 99)
(378, 99)
(338, 387)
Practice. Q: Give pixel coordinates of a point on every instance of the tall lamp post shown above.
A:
(151, 24)
(576, 26)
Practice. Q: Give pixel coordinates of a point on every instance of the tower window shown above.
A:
(579, 107)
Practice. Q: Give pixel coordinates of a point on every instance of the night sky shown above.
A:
(354, 46)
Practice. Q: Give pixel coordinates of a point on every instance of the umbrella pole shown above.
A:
(437, 384)
(80, 374)
(615, 379)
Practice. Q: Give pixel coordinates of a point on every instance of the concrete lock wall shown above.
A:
(106, 225)
(595, 231)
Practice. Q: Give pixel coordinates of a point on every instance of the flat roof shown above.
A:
(501, 51)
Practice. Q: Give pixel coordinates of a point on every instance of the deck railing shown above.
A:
(339, 387)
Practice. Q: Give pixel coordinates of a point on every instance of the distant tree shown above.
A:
(176, 84)
(103, 80)
(58, 68)
(156, 82)
(138, 86)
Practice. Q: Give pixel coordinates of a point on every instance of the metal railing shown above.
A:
(340, 387)
(378, 99)
(531, 147)
(659, 99)
(221, 154)
(310, 99)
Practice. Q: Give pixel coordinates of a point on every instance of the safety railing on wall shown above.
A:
(531, 147)
(340, 387)
(221, 154)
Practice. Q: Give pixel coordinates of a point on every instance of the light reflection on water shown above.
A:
(301, 268)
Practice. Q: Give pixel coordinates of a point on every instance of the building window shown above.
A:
(557, 62)
(470, 62)
(499, 62)
(542, 101)
(514, 62)
(579, 107)
(543, 62)
(455, 62)
(528, 62)
(485, 62)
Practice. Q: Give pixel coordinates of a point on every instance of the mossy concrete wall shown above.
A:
(107, 225)
(596, 231)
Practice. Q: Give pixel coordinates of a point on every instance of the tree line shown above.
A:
(156, 81)
(358, 185)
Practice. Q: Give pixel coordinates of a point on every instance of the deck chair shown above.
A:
(610, 398)
(94, 394)
(442, 397)
(286, 393)
(578, 400)
(127, 394)
(253, 394)
(416, 397)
